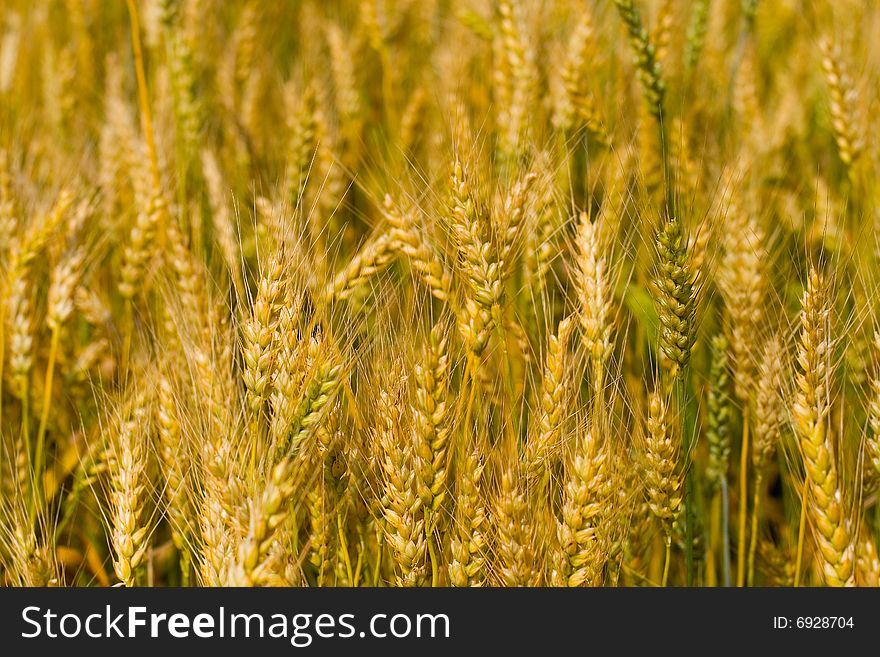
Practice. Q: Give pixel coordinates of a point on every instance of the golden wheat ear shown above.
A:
(810, 413)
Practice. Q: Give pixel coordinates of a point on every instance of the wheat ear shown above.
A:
(663, 478)
(584, 508)
(467, 565)
(811, 424)
(128, 528)
(515, 544)
(402, 510)
(431, 420)
(556, 387)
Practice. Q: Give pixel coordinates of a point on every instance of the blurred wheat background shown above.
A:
(439, 292)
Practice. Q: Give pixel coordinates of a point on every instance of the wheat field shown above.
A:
(439, 293)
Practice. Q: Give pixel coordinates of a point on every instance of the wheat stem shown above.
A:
(725, 530)
(689, 498)
(743, 501)
(666, 559)
(44, 415)
(343, 548)
(753, 540)
(144, 101)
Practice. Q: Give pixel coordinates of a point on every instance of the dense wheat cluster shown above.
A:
(439, 292)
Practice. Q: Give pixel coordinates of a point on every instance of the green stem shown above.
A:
(681, 407)
(668, 542)
(714, 540)
(343, 544)
(725, 530)
(743, 501)
(753, 540)
(432, 550)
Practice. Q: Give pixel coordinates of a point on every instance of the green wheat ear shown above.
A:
(676, 296)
